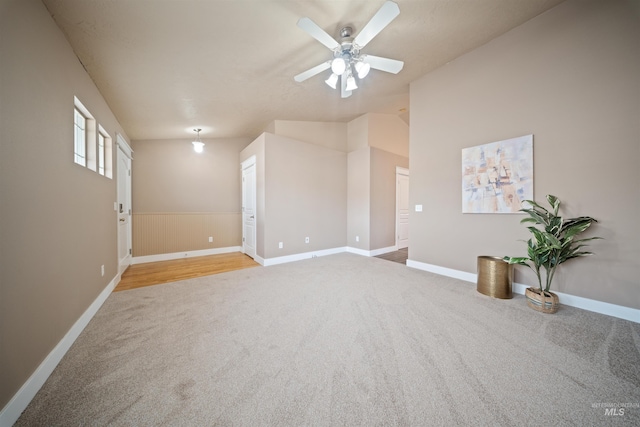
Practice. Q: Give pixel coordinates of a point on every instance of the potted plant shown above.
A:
(553, 243)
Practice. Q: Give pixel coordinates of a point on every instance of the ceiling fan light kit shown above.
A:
(351, 83)
(338, 66)
(198, 145)
(346, 55)
(332, 81)
(362, 68)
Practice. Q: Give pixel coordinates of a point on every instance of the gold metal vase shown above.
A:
(495, 277)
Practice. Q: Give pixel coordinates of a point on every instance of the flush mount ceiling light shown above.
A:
(198, 145)
(347, 53)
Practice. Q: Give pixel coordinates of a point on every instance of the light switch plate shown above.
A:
(418, 208)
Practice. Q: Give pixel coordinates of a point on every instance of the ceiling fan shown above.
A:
(347, 56)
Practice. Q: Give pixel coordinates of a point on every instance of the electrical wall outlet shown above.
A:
(102, 270)
(210, 239)
(306, 240)
(357, 238)
(280, 245)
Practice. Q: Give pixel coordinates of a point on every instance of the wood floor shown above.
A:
(399, 256)
(155, 273)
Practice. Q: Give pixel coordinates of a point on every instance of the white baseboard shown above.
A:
(362, 252)
(374, 252)
(614, 310)
(297, 257)
(186, 254)
(11, 412)
(456, 274)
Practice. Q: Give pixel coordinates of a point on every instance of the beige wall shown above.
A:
(377, 143)
(58, 220)
(570, 77)
(383, 197)
(373, 142)
(306, 196)
(389, 133)
(169, 176)
(359, 199)
(181, 198)
(358, 133)
(371, 198)
(328, 134)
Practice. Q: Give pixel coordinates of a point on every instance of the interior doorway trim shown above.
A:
(122, 206)
(249, 207)
(402, 207)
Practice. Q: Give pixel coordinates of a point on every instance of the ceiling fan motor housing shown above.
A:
(346, 53)
(346, 33)
(347, 50)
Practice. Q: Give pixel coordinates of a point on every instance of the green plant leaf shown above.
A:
(516, 260)
(554, 243)
(554, 202)
(574, 226)
(555, 225)
(536, 217)
(534, 204)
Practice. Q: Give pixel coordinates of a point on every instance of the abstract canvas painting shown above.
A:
(497, 177)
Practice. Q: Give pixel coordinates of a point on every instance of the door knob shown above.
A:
(122, 220)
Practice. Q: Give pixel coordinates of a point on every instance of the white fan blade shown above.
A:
(381, 19)
(344, 93)
(318, 33)
(312, 71)
(383, 64)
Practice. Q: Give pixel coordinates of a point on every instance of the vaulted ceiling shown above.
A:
(166, 67)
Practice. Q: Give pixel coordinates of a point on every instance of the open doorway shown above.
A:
(401, 254)
(402, 208)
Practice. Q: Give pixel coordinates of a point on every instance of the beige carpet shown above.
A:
(340, 340)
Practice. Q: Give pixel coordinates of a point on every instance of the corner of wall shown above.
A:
(358, 133)
(271, 127)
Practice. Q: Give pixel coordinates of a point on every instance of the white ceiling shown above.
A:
(227, 66)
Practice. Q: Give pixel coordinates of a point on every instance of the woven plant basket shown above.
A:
(545, 302)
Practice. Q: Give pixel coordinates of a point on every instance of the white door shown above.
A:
(402, 207)
(249, 207)
(124, 204)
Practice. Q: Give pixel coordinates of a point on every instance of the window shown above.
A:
(105, 156)
(80, 138)
(92, 147)
(100, 153)
(84, 136)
